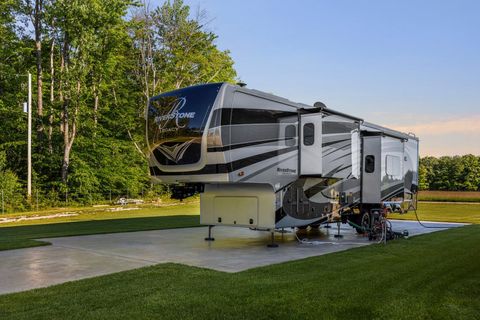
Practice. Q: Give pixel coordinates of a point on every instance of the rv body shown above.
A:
(264, 162)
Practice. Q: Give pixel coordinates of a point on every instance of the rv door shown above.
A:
(310, 144)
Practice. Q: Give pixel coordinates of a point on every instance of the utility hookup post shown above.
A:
(29, 152)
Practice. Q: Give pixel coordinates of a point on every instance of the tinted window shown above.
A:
(176, 121)
(250, 116)
(369, 164)
(308, 134)
(290, 134)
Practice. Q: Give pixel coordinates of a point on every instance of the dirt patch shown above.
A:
(115, 209)
(27, 218)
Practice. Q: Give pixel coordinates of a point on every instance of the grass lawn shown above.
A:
(433, 276)
(448, 212)
(22, 236)
(60, 215)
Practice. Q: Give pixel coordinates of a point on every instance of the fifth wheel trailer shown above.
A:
(263, 162)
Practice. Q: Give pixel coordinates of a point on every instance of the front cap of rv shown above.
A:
(177, 134)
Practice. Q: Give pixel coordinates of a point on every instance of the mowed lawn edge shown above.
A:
(24, 236)
(432, 276)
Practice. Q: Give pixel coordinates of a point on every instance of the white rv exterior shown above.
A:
(264, 162)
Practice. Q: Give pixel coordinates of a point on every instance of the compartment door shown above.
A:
(310, 144)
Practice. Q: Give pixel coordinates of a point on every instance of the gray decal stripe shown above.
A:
(332, 171)
(242, 145)
(334, 142)
(266, 168)
(349, 166)
(238, 164)
(333, 151)
(392, 190)
(227, 167)
(392, 194)
(343, 156)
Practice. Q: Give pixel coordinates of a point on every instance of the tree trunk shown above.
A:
(95, 110)
(38, 51)
(52, 97)
(68, 136)
(66, 143)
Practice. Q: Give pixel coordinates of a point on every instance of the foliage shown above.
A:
(98, 62)
(458, 173)
(9, 186)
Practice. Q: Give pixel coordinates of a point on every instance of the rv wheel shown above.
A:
(364, 223)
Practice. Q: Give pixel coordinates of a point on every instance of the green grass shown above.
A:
(22, 236)
(434, 276)
(102, 213)
(449, 196)
(94, 220)
(447, 212)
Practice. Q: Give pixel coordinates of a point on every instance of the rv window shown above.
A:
(290, 134)
(392, 166)
(308, 134)
(369, 164)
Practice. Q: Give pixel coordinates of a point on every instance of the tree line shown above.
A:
(457, 173)
(94, 63)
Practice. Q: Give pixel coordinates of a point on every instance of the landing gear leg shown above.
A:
(272, 244)
(210, 238)
(338, 235)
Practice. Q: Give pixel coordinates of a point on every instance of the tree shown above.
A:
(188, 54)
(470, 176)
(9, 184)
(423, 182)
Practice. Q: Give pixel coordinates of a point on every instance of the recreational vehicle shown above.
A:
(264, 162)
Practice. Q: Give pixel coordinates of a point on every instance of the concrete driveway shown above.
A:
(234, 250)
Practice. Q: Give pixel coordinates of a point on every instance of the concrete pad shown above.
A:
(234, 250)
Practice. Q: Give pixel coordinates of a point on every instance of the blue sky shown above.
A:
(410, 65)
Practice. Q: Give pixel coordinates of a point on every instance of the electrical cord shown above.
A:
(428, 227)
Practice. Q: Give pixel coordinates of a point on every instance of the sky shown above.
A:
(409, 65)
